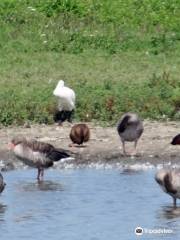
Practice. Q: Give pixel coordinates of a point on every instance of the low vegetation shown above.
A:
(118, 56)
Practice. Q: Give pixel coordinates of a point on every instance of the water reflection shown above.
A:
(40, 186)
(24, 217)
(169, 212)
(98, 200)
(3, 208)
(130, 171)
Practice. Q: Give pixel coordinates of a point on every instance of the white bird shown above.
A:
(169, 180)
(66, 103)
(2, 183)
(37, 154)
(130, 129)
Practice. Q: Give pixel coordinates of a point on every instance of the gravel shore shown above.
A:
(104, 146)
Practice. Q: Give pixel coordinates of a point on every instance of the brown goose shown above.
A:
(2, 183)
(79, 134)
(37, 154)
(130, 129)
(169, 180)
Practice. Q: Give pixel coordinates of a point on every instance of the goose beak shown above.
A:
(10, 146)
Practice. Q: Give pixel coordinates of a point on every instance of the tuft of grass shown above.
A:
(118, 56)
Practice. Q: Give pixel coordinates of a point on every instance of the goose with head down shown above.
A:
(130, 129)
(169, 181)
(37, 154)
(79, 134)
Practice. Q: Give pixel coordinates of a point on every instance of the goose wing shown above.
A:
(123, 124)
(46, 150)
(56, 155)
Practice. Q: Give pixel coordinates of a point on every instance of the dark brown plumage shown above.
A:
(2, 183)
(80, 133)
(176, 140)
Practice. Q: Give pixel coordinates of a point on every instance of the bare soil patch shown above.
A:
(104, 145)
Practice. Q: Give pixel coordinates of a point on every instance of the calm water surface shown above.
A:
(85, 204)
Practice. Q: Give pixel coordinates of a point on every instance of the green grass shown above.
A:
(118, 56)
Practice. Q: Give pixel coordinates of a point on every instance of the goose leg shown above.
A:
(174, 202)
(38, 175)
(135, 151)
(123, 145)
(42, 173)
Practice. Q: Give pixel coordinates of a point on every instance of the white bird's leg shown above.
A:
(60, 124)
(69, 117)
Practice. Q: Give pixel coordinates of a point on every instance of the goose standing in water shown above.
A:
(79, 134)
(130, 129)
(66, 97)
(2, 183)
(169, 180)
(37, 154)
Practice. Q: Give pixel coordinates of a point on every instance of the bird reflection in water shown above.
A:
(168, 212)
(131, 171)
(42, 186)
(3, 208)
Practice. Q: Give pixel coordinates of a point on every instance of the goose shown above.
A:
(130, 129)
(169, 180)
(79, 134)
(2, 183)
(37, 154)
(66, 103)
(176, 140)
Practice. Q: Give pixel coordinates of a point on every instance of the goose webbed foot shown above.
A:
(133, 153)
(125, 154)
(71, 145)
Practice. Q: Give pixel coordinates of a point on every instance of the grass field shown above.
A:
(117, 55)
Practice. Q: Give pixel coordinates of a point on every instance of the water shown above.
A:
(85, 204)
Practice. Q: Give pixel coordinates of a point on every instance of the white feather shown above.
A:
(66, 97)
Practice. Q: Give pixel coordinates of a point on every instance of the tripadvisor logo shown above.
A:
(138, 231)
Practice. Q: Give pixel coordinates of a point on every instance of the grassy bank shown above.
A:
(117, 55)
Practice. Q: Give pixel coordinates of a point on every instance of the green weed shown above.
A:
(117, 55)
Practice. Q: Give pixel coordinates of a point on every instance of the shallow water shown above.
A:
(85, 204)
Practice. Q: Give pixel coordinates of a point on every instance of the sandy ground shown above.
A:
(104, 146)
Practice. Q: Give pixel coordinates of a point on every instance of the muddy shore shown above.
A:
(104, 146)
